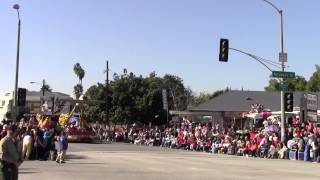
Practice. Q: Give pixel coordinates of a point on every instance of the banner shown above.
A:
(312, 102)
(312, 107)
(164, 98)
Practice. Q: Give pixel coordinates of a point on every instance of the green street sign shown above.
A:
(285, 75)
(284, 87)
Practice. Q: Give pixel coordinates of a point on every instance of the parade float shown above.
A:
(73, 122)
(76, 126)
(270, 120)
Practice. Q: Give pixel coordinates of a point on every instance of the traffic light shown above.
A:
(288, 101)
(224, 50)
(22, 93)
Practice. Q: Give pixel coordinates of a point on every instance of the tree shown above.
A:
(95, 112)
(78, 90)
(138, 99)
(46, 88)
(127, 99)
(204, 96)
(79, 72)
(95, 92)
(314, 81)
(299, 83)
(274, 85)
(178, 95)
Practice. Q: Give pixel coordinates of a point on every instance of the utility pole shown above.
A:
(43, 89)
(282, 59)
(283, 121)
(107, 92)
(15, 94)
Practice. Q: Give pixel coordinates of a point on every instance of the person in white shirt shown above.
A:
(26, 146)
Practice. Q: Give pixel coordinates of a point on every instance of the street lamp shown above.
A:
(42, 85)
(282, 59)
(15, 97)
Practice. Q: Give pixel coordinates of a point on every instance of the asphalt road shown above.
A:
(131, 162)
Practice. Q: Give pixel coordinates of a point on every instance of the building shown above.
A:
(35, 101)
(55, 101)
(5, 104)
(233, 106)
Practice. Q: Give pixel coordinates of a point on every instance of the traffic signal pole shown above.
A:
(283, 120)
(223, 56)
(282, 59)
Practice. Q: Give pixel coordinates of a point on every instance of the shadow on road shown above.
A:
(85, 163)
(28, 172)
(21, 169)
(72, 156)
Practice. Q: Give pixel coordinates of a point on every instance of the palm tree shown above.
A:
(78, 90)
(79, 72)
(81, 75)
(45, 88)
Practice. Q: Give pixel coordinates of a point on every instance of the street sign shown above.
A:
(285, 75)
(284, 87)
(283, 57)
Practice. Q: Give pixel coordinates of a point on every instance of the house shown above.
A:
(5, 104)
(232, 106)
(35, 101)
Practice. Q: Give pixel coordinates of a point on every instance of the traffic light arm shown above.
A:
(254, 57)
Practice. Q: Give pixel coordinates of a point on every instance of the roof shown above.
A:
(240, 101)
(39, 93)
(36, 95)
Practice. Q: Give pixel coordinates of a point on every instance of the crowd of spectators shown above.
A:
(302, 139)
(38, 139)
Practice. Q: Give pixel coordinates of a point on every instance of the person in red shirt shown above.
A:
(298, 132)
(193, 145)
(253, 148)
(252, 135)
(259, 138)
(209, 126)
(246, 151)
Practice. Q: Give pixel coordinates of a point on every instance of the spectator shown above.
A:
(9, 154)
(283, 150)
(38, 144)
(315, 149)
(63, 146)
(27, 146)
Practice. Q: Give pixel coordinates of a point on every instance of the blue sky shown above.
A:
(179, 37)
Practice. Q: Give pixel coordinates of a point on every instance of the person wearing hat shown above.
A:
(9, 154)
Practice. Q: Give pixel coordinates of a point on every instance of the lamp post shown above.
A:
(107, 94)
(282, 59)
(15, 93)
